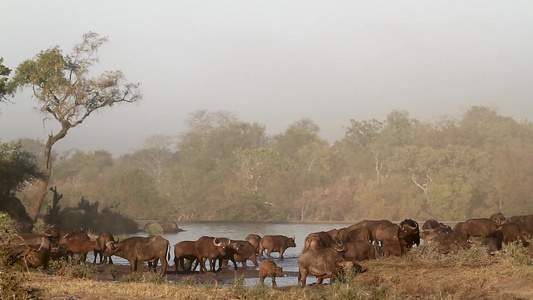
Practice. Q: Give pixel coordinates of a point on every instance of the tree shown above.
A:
(5, 88)
(17, 167)
(66, 92)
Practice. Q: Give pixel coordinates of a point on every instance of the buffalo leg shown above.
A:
(234, 262)
(274, 285)
(164, 265)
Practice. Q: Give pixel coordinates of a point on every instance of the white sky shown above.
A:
(276, 62)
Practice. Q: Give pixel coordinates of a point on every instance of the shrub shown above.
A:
(153, 229)
(12, 282)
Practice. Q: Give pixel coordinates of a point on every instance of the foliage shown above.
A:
(17, 168)
(153, 229)
(396, 168)
(5, 88)
(12, 282)
(67, 92)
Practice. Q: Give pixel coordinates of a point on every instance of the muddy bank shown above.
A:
(224, 276)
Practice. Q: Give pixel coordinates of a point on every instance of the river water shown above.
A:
(239, 231)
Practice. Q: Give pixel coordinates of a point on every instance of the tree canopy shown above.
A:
(225, 169)
(67, 92)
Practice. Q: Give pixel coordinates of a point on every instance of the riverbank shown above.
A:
(421, 274)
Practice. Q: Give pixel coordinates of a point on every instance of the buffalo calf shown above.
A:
(269, 269)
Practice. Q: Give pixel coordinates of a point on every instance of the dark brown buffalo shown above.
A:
(275, 243)
(511, 232)
(318, 240)
(358, 234)
(527, 225)
(212, 248)
(255, 240)
(492, 244)
(478, 228)
(448, 242)
(498, 218)
(30, 250)
(231, 250)
(343, 233)
(359, 251)
(409, 233)
(185, 250)
(79, 246)
(334, 234)
(432, 224)
(322, 263)
(457, 227)
(244, 251)
(102, 240)
(135, 249)
(371, 225)
(391, 248)
(269, 269)
(391, 234)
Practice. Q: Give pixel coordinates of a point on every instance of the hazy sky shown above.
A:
(277, 62)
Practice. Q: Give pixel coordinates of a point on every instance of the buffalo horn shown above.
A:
(215, 242)
(110, 245)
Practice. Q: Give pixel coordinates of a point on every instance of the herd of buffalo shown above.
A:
(325, 254)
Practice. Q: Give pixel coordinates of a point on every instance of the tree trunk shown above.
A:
(42, 185)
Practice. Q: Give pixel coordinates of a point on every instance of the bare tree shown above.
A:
(66, 92)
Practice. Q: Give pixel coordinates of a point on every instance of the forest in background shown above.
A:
(222, 168)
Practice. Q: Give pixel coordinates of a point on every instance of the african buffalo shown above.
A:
(318, 240)
(511, 232)
(275, 243)
(79, 246)
(30, 250)
(358, 234)
(492, 244)
(391, 247)
(457, 227)
(448, 242)
(359, 251)
(527, 225)
(102, 240)
(135, 249)
(244, 251)
(254, 239)
(269, 269)
(213, 249)
(478, 228)
(391, 234)
(322, 263)
(409, 233)
(432, 224)
(185, 250)
(498, 218)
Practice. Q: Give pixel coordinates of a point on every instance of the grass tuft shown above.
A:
(74, 269)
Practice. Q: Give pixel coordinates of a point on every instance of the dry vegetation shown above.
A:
(421, 274)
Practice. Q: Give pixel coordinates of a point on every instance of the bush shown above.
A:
(153, 229)
(11, 281)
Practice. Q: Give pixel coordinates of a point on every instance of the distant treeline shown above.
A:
(222, 168)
